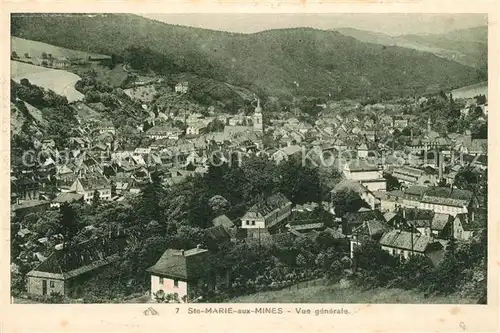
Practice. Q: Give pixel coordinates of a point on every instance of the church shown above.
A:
(258, 125)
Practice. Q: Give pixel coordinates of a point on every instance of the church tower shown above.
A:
(429, 125)
(258, 125)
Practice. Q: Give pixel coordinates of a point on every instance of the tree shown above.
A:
(69, 227)
(96, 198)
(301, 260)
(113, 189)
(467, 178)
(149, 207)
(300, 183)
(375, 266)
(44, 55)
(218, 204)
(347, 201)
(392, 182)
(14, 55)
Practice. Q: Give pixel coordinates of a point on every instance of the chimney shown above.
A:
(182, 252)
(198, 246)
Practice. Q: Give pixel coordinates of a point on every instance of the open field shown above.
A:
(343, 292)
(60, 81)
(35, 49)
(471, 91)
(143, 93)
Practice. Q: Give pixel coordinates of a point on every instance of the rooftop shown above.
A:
(271, 203)
(79, 258)
(184, 264)
(406, 240)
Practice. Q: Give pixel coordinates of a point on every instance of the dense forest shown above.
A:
(289, 62)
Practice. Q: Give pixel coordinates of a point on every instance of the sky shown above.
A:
(392, 24)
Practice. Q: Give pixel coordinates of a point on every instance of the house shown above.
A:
(301, 225)
(404, 243)
(66, 197)
(181, 87)
(361, 170)
(66, 268)
(106, 127)
(196, 128)
(364, 193)
(367, 173)
(31, 206)
(410, 176)
(25, 188)
(60, 63)
(448, 200)
(163, 132)
(353, 220)
(182, 272)
(283, 154)
(216, 236)
(371, 229)
(445, 226)
(88, 185)
(224, 221)
(400, 122)
(363, 150)
(267, 213)
(64, 173)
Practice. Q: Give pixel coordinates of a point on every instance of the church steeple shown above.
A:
(258, 125)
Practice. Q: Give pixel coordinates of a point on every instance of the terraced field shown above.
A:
(60, 81)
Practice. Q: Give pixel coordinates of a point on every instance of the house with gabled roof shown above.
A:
(353, 220)
(268, 212)
(224, 221)
(404, 244)
(68, 266)
(88, 185)
(66, 197)
(371, 229)
(181, 272)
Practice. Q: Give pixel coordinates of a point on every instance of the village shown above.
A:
(410, 202)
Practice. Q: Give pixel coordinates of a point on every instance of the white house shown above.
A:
(163, 132)
(181, 87)
(87, 187)
(182, 271)
(267, 213)
(360, 170)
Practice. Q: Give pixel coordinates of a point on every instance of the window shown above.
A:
(253, 222)
(247, 222)
(52, 284)
(176, 283)
(161, 280)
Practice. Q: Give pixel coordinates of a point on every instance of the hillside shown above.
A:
(466, 46)
(343, 292)
(471, 91)
(293, 62)
(35, 49)
(59, 81)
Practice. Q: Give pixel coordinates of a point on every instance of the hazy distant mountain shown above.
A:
(294, 62)
(466, 46)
